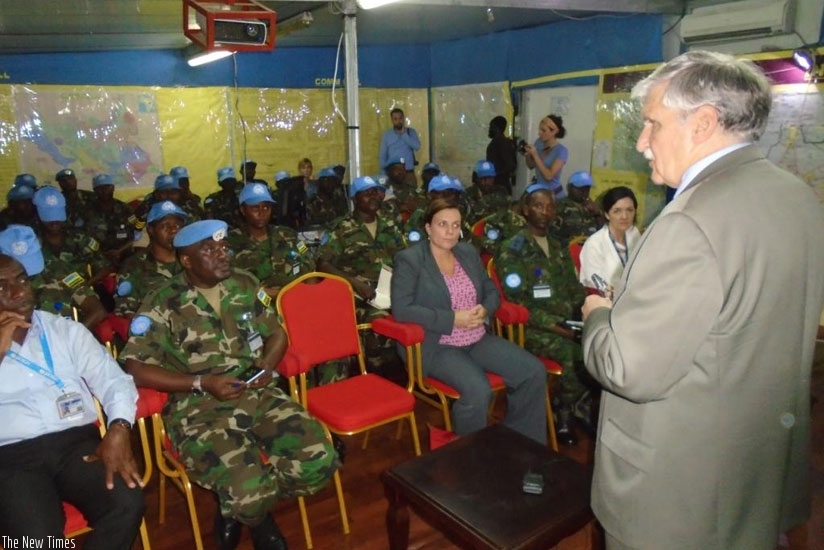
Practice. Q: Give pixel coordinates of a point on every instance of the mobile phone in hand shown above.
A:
(602, 286)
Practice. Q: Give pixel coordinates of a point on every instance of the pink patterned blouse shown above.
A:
(463, 295)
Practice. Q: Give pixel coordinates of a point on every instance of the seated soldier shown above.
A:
(50, 447)
(198, 337)
(150, 267)
(485, 195)
(577, 215)
(78, 201)
(536, 271)
(356, 249)
(190, 201)
(109, 221)
(403, 198)
(272, 253)
(248, 171)
(167, 188)
(429, 171)
(73, 263)
(19, 208)
(441, 186)
(329, 202)
(223, 205)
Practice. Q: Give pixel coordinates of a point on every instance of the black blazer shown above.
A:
(420, 295)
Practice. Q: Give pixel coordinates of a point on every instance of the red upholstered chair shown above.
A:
(317, 311)
(478, 230)
(76, 524)
(151, 403)
(429, 390)
(513, 317)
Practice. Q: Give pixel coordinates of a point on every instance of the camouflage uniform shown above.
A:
(572, 220)
(220, 442)
(499, 227)
(78, 205)
(323, 210)
(406, 195)
(142, 274)
(554, 275)
(111, 229)
(223, 206)
(486, 204)
(279, 259)
(351, 248)
(64, 280)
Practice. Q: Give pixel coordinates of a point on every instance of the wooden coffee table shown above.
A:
(471, 490)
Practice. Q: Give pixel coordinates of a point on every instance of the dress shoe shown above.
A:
(267, 536)
(227, 532)
(563, 427)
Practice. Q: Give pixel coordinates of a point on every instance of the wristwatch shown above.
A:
(121, 422)
(197, 384)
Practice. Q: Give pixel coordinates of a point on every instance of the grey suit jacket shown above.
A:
(420, 295)
(705, 359)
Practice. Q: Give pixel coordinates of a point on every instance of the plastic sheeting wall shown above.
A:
(134, 133)
(460, 123)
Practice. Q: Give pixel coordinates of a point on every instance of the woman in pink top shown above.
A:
(441, 284)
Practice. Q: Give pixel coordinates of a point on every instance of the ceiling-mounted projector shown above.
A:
(239, 25)
(240, 31)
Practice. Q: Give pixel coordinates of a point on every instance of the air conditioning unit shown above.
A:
(742, 20)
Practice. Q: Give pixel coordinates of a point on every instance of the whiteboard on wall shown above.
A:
(576, 104)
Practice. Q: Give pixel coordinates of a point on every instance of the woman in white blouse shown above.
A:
(606, 252)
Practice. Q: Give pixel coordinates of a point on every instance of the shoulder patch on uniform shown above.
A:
(73, 279)
(493, 234)
(513, 280)
(302, 248)
(93, 244)
(325, 238)
(140, 325)
(517, 242)
(264, 298)
(414, 236)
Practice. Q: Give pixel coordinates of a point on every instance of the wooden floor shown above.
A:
(366, 505)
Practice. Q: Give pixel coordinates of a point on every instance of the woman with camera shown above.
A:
(547, 156)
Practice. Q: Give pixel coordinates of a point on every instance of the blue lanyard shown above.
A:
(623, 256)
(39, 369)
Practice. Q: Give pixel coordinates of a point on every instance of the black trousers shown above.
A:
(36, 475)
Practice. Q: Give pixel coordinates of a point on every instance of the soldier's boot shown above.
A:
(227, 531)
(267, 536)
(563, 426)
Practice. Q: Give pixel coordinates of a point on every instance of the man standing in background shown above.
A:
(705, 355)
(400, 142)
(501, 153)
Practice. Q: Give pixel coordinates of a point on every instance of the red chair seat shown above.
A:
(74, 519)
(343, 408)
(496, 382)
(551, 366)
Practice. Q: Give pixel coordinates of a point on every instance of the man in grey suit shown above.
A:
(705, 355)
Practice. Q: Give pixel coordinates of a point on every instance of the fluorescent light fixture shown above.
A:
(804, 58)
(207, 57)
(369, 4)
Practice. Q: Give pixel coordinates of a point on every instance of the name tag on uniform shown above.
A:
(70, 404)
(121, 235)
(295, 269)
(541, 291)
